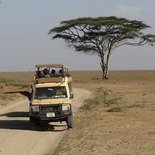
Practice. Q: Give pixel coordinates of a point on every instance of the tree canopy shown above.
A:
(101, 35)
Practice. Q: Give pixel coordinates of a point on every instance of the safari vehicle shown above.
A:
(51, 95)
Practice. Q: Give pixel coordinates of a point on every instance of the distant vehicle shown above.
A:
(51, 95)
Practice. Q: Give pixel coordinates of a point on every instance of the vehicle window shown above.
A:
(50, 92)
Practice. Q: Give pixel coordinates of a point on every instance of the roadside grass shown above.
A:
(112, 121)
(95, 124)
(12, 82)
(104, 97)
(119, 108)
(89, 122)
(90, 80)
(17, 79)
(112, 102)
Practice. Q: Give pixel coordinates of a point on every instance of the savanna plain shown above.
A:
(117, 119)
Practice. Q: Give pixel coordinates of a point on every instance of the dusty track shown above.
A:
(16, 138)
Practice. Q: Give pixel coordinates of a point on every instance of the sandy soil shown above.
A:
(16, 138)
(130, 132)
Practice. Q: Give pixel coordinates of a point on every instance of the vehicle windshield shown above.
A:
(50, 93)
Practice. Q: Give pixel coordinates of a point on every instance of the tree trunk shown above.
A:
(107, 64)
(104, 69)
(104, 65)
(105, 72)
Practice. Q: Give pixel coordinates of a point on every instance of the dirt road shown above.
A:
(16, 138)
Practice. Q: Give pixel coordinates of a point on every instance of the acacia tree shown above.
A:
(102, 35)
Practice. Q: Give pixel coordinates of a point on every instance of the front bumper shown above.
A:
(51, 113)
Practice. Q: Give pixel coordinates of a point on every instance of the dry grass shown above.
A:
(12, 82)
(104, 98)
(97, 131)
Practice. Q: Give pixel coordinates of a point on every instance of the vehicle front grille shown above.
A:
(50, 108)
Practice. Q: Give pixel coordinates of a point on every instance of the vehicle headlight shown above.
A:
(66, 107)
(35, 108)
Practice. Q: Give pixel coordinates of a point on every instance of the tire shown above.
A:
(34, 123)
(69, 121)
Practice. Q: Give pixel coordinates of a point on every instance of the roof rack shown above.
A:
(50, 65)
(50, 72)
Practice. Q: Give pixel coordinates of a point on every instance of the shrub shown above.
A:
(103, 97)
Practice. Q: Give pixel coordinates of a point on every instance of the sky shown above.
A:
(24, 39)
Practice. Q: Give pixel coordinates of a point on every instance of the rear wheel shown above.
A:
(69, 121)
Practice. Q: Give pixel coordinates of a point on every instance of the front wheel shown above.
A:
(34, 123)
(69, 121)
